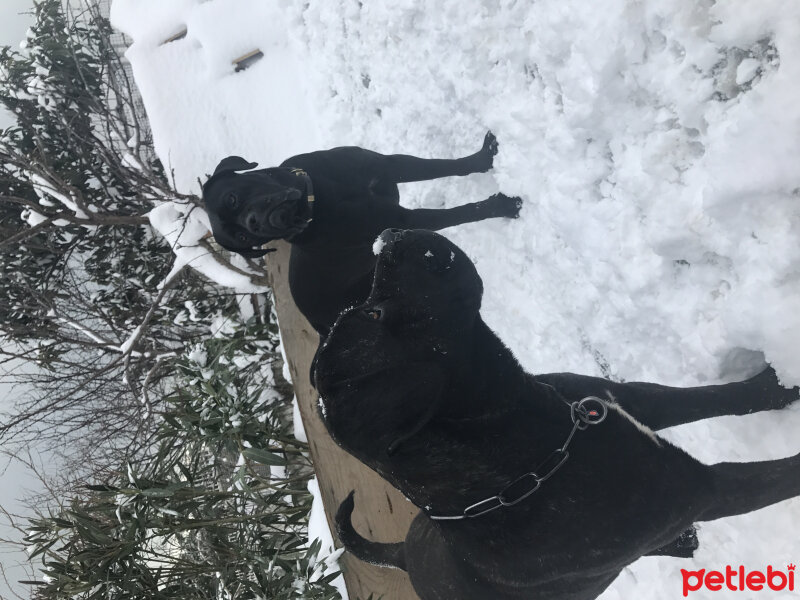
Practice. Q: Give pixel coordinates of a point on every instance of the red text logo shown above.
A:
(738, 579)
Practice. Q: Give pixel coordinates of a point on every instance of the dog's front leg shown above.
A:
(660, 406)
(403, 168)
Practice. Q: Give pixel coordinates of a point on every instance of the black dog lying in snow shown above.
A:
(416, 386)
(331, 205)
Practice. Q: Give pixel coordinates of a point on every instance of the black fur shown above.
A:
(356, 197)
(416, 386)
(385, 555)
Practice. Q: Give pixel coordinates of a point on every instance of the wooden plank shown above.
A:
(247, 60)
(175, 37)
(382, 513)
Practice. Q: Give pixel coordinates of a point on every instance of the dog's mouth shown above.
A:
(332, 381)
(286, 216)
(289, 212)
(346, 359)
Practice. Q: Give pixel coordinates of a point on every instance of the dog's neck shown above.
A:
(490, 382)
(490, 399)
(479, 397)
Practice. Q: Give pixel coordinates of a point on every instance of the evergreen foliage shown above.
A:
(131, 361)
(90, 296)
(218, 512)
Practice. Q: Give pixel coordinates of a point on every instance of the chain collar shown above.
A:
(589, 411)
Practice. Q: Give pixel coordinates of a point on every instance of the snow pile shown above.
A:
(660, 194)
(655, 145)
(185, 226)
(199, 109)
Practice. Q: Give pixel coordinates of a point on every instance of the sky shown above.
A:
(13, 23)
(13, 479)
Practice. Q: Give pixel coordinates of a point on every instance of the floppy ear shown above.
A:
(233, 163)
(421, 403)
(415, 427)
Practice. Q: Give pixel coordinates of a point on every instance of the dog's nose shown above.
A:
(278, 218)
(390, 236)
(386, 242)
(251, 223)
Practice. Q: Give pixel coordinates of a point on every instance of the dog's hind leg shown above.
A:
(660, 406)
(375, 553)
(682, 546)
(740, 488)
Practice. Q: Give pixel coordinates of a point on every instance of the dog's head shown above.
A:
(387, 361)
(249, 209)
(426, 294)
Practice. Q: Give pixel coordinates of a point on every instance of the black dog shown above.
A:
(416, 386)
(331, 205)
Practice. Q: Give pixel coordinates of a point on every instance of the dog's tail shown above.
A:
(376, 553)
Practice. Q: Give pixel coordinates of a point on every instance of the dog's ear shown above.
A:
(233, 163)
(428, 395)
(230, 164)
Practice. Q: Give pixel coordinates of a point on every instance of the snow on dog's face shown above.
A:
(425, 296)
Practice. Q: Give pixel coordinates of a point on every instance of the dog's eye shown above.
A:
(233, 200)
(373, 314)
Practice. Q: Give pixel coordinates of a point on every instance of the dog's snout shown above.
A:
(277, 218)
(251, 222)
(282, 209)
(387, 240)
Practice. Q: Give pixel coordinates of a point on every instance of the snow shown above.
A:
(126, 346)
(746, 70)
(184, 225)
(44, 187)
(378, 245)
(299, 431)
(318, 529)
(654, 144)
(32, 217)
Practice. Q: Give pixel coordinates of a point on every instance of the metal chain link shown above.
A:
(582, 415)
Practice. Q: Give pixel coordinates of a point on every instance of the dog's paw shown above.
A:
(766, 385)
(683, 546)
(501, 205)
(489, 144)
(487, 153)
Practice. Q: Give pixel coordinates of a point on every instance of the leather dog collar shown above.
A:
(309, 192)
(589, 411)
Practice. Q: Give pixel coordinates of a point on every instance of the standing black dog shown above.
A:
(415, 385)
(331, 205)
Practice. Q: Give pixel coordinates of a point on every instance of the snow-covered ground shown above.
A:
(655, 144)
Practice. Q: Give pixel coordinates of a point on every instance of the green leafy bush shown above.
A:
(218, 510)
